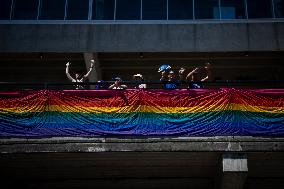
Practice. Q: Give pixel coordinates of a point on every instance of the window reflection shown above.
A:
(154, 9)
(279, 8)
(5, 7)
(25, 10)
(77, 10)
(207, 9)
(103, 10)
(128, 9)
(180, 9)
(259, 9)
(52, 9)
(232, 9)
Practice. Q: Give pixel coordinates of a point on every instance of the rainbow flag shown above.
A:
(143, 112)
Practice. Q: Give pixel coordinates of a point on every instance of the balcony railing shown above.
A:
(252, 84)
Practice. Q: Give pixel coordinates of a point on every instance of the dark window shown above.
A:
(233, 9)
(128, 9)
(207, 9)
(154, 9)
(5, 8)
(25, 10)
(180, 9)
(52, 9)
(259, 9)
(77, 9)
(279, 8)
(103, 10)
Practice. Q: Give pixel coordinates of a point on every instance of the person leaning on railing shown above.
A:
(79, 78)
(117, 84)
(138, 78)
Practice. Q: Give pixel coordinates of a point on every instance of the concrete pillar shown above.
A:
(232, 171)
(96, 73)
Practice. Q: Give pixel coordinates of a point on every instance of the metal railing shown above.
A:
(254, 84)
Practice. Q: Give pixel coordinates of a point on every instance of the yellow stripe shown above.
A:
(143, 108)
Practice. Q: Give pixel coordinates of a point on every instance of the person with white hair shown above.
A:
(138, 78)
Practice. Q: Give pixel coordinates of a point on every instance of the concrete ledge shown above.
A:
(184, 144)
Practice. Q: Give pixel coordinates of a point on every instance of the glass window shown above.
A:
(207, 9)
(77, 10)
(154, 9)
(52, 9)
(5, 7)
(128, 9)
(180, 9)
(259, 9)
(233, 9)
(103, 10)
(25, 10)
(279, 8)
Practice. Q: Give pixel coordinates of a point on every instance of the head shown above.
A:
(78, 75)
(138, 77)
(207, 65)
(117, 80)
(195, 76)
(171, 74)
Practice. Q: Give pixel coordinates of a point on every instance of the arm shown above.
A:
(205, 78)
(190, 74)
(181, 74)
(90, 70)
(67, 72)
(163, 78)
(208, 75)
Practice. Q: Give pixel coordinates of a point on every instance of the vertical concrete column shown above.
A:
(232, 172)
(96, 73)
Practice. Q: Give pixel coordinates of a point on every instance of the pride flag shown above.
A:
(143, 112)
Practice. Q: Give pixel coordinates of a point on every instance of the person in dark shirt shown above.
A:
(194, 76)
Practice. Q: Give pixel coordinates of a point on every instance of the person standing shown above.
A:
(79, 78)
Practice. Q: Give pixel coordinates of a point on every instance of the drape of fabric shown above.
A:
(180, 112)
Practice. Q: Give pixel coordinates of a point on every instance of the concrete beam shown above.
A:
(225, 144)
(233, 171)
(190, 37)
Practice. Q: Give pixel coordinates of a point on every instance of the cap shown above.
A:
(138, 75)
(171, 72)
(164, 67)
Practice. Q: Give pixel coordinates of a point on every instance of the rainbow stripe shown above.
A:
(181, 112)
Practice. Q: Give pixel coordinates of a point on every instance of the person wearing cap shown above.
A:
(79, 78)
(138, 78)
(117, 84)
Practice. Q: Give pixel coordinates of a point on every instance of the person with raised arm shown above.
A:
(79, 78)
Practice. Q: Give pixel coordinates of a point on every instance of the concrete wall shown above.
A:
(210, 37)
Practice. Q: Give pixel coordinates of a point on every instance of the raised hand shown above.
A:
(181, 71)
(92, 63)
(68, 64)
